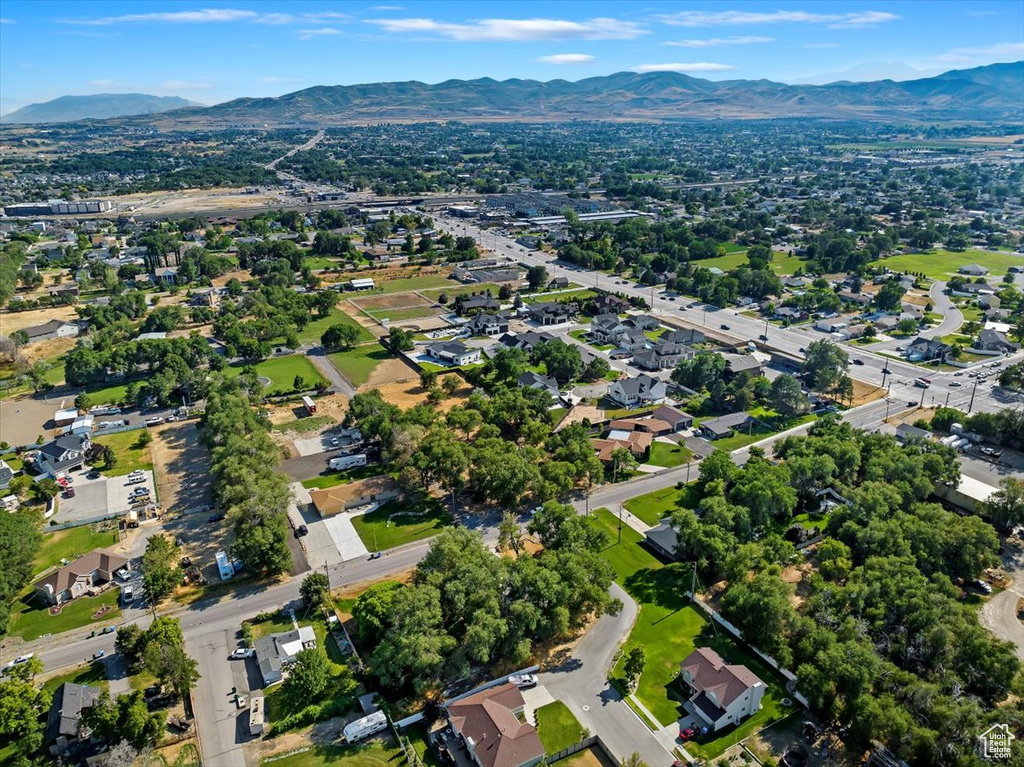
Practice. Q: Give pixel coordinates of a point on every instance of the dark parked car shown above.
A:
(858, 362)
(763, 337)
(215, 518)
(301, 530)
(724, 327)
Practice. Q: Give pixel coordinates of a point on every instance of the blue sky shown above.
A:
(211, 52)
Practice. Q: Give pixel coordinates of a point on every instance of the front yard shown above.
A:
(30, 619)
(382, 529)
(281, 372)
(557, 727)
(669, 455)
(653, 507)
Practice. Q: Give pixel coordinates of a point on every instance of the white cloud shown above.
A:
(387, 8)
(744, 18)
(6, 21)
(567, 58)
(305, 18)
(186, 85)
(273, 80)
(210, 15)
(968, 55)
(821, 46)
(309, 34)
(515, 29)
(696, 66)
(718, 42)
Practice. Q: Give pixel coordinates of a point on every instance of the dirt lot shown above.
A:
(390, 371)
(333, 405)
(865, 392)
(367, 322)
(182, 467)
(391, 301)
(409, 393)
(910, 414)
(188, 200)
(11, 321)
(25, 417)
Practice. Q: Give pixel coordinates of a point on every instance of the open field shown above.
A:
(403, 315)
(373, 754)
(458, 288)
(408, 393)
(418, 282)
(312, 332)
(357, 364)
(282, 371)
(181, 461)
(131, 456)
(375, 302)
(943, 264)
(782, 264)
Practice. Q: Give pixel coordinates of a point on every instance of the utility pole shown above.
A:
(620, 523)
(971, 406)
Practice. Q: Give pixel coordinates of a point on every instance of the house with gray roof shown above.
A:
(662, 356)
(65, 453)
(453, 353)
(637, 392)
(275, 652)
(726, 425)
(63, 722)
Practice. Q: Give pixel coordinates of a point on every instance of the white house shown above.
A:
(639, 391)
(454, 353)
(274, 653)
(722, 694)
(65, 453)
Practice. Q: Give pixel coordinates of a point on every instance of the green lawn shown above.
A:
(742, 439)
(373, 754)
(282, 371)
(653, 507)
(341, 477)
(422, 282)
(107, 395)
(628, 557)
(379, 532)
(30, 620)
(664, 454)
(69, 544)
(562, 297)
(943, 264)
(358, 363)
(557, 727)
(88, 673)
(817, 522)
(782, 264)
(312, 332)
(321, 262)
(130, 455)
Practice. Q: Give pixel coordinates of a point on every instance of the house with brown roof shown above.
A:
(653, 426)
(82, 576)
(489, 725)
(721, 694)
(334, 500)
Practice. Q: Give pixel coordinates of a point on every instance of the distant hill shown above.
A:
(986, 93)
(96, 106)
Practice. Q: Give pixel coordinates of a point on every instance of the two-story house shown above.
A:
(637, 392)
(65, 453)
(489, 724)
(721, 694)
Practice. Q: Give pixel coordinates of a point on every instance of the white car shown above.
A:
(523, 681)
(242, 652)
(154, 421)
(136, 473)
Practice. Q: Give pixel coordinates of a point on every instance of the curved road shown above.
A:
(999, 614)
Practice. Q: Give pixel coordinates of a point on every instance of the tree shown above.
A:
(824, 364)
(906, 326)
(400, 340)
(340, 336)
(19, 542)
(595, 370)
(47, 489)
(633, 667)
(888, 298)
(314, 590)
(700, 372)
(537, 277)
(145, 438)
(761, 609)
(509, 533)
(160, 571)
(717, 467)
(633, 760)
(373, 611)
(83, 401)
(125, 719)
(21, 718)
(428, 379)
(562, 361)
(622, 462)
(171, 665)
(786, 396)
(109, 457)
(130, 644)
(309, 675)
(1006, 506)
(834, 559)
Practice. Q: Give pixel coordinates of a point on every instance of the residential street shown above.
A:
(999, 614)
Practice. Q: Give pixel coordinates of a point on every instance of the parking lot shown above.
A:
(99, 497)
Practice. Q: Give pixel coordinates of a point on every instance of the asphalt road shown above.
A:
(999, 614)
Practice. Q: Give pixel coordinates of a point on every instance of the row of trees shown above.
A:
(243, 461)
(466, 607)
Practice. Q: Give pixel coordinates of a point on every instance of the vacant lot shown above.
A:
(282, 371)
(404, 315)
(131, 456)
(418, 282)
(312, 332)
(782, 263)
(19, 320)
(943, 264)
(373, 303)
(182, 468)
(408, 393)
(358, 364)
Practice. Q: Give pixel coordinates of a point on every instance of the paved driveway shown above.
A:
(345, 537)
(99, 497)
(999, 614)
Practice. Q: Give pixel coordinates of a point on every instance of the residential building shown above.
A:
(6, 474)
(790, 314)
(334, 500)
(474, 304)
(661, 356)
(65, 453)
(487, 325)
(165, 274)
(923, 349)
(906, 433)
(85, 575)
(726, 425)
(607, 303)
(489, 724)
(994, 341)
(453, 353)
(526, 341)
(741, 363)
(275, 652)
(677, 419)
(558, 283)
(654, 426)
(552, 313)
(638, 391)
(989, 302)
(636, 442)
(532, 380)
(606, 328)
(51, 329)
(63, 722)
(684, 336)
(663, 540)
(973, 270)
(721, 694)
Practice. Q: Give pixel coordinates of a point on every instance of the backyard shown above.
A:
(131, 456)
(422, 519)
(281, 372)
(358, 363)
(88, 673)
(70, 544)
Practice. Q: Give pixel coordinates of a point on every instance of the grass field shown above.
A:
(374, 754)
(106, 395)
(562, 297)
(420, 282)
(282, 371)
(664, 454)
(69, 544)
(130, 455)
(458, 288)
(358, 363)
(557, 727)
(653, 507)
(379, 532)
(400, 315)
(89, 673)
(782, 264)
(627, 557)
(312, 332)
(942, 264)
(31, 620)
(341, 477)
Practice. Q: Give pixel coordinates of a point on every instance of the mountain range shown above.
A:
(993, 92)
(96, 106)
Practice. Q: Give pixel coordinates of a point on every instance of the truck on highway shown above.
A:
(347, 461)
